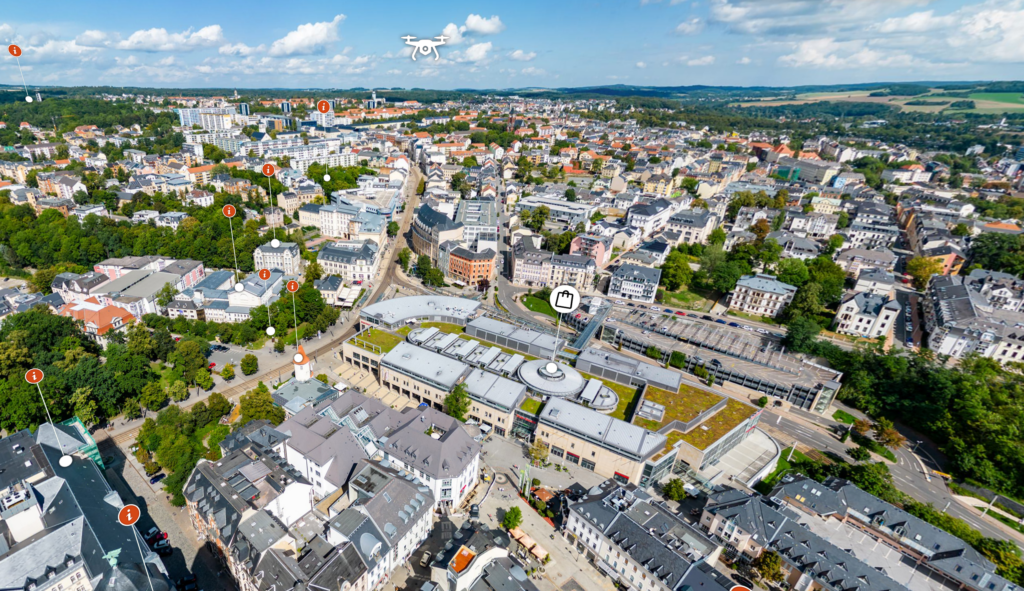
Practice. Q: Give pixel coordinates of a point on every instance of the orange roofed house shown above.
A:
(98, 320)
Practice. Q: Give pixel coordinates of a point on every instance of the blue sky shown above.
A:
(314, 44)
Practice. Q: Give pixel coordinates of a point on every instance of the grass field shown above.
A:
(531, 405)
(1013, 98)
(445, 327)
(379, 338)
(538, 305)
(688, 300)
(844, 417)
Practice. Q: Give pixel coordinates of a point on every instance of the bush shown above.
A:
(860, 454)
(535, 482)
(762, 401)
(677, 360)
(250, 364)
(151, 468)
(228, 372)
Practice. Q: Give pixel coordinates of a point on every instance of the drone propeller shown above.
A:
(441, 38)
(408, 38)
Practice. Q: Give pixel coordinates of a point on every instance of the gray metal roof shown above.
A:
(399, 309)
(638, 274)
(765, 283)
(611, 433)
(492, 389)
(424, 364)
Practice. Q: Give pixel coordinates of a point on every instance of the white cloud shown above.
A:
(308, 38)
(484, 26)
(918, 22)
(161, 40)
(94, 38)
(453, 33)
(240, 49)
(788, 17)
(641, 65)
(829, 53)
(56, 51)
(477, 52)
(532, 71)
(393, 72)
(706, 60)
(6, 33)
(521, 56)
(690, 27)
(743, 61)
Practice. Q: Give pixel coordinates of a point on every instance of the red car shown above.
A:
(176, 339)
(159, 536)
(213, 364)
(681, 313)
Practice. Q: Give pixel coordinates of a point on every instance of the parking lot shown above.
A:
(673, 330)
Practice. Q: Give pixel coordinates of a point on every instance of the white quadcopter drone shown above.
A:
(424, 46)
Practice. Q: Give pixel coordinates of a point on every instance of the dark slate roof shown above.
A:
(432, 218)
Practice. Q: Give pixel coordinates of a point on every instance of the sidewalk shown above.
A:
(981, 504)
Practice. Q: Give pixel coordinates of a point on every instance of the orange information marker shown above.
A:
(323, 106)
(269, 169)
(14, 50)
(264, 274)
(229, 211)
(128, 515)
(34, 376)
(293, 286)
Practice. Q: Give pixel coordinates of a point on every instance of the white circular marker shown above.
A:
(239, 287)
(270, 331)
(565, 299)
(298, 358)
(551, 367)
(327, 178)
(28, 99)
(65, 461)
(275, 243)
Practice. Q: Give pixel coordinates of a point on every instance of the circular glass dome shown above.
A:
(551, 379)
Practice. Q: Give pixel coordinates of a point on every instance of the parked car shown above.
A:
(762, 331)
(656, 309)
(165, 551)
(213, 364)
(647, 332)
(680, 313)
(160, 535)
(151, 532)
(425, 560)
(161, 544)
(620, 303)
(474, 511)
(706, 317)
(716, 362)
(157, 478)
(734, 324)
(720, 321)
(750, 328)
(668, 311)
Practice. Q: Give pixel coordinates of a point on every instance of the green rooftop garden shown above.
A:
(445, 327)
(684, 405)
(713, 429)
(377, 337)
(531, 405)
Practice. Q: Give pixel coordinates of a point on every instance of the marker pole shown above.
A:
(295, 319)
(23, 83)
(56, 434)
(135, 535)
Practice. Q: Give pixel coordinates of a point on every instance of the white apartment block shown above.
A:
(866, 315)
(285, 257)
(761, 295)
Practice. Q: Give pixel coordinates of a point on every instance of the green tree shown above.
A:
(85, 406)
(570, 194)
(674, 490)
(801, 331)
(717, 236)
(844, 220)
(806, 303)
(393, 229)
(250, 364)
(153, 396)
(830, 276)
(457, 403)
(859, 454)
(768, 566)
(922, 269)
(166, 295)
(404, 256)
(835, 242)
(140, 341)
(961, 230)
(887, 435)
(792, 271)
(259, 404)
(203, 379)
(314, 271)
(131, 409)
(676, 272)
(188, 358)
(228, 371)
(218, 405)
(512, 519)
(178, 390)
